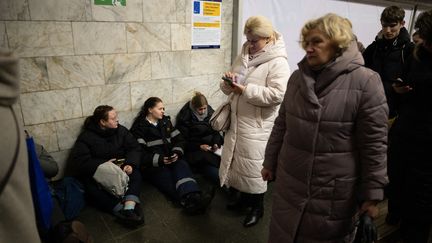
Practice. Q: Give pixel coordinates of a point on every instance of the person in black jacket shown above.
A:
(162, 163)
(104, 140)
(416, 38)
(411, 140)
(202, 140)
(387, 54)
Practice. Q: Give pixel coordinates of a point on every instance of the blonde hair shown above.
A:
(260, 26)
(198, 100)
(336, 28)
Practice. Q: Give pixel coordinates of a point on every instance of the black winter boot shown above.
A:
(236, 201)
(196, 203)
(256, 202)
(253, 217)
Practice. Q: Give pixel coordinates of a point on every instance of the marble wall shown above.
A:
(75, 55)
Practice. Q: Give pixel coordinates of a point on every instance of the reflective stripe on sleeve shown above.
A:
(155, 142)
(156, 160)
(175, 133)
(178, 149)
(184, 180)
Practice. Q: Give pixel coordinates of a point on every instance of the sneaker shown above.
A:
(130, 217)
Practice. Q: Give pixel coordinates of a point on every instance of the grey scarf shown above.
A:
(198, 116)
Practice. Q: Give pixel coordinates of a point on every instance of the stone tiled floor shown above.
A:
(164, 222)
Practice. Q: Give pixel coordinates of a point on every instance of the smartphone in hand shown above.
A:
(399, 82)
(171, 156)
(228, 81)
(119, 162)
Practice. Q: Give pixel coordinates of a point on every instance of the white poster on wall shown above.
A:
(206, 24)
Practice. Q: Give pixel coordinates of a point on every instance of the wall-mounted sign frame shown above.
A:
(206, 24)
(110, 2)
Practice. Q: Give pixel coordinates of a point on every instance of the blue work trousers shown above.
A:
(174, 180)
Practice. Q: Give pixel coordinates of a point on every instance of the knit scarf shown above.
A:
(197, 115)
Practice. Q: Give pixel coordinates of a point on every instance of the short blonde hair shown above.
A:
(336, 28)
(259, 26)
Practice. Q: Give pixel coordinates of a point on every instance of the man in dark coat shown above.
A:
(391, 48)
(387, 55)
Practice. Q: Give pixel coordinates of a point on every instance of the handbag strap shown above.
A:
(15, 156)
(230, 97)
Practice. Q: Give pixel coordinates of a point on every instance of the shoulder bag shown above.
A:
(221, 118)
(112, 178)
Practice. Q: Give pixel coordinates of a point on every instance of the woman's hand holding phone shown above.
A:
(170, 159)
(231, 81)
(228, 81)
(401, 87)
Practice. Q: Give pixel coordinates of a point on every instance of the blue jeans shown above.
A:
(105, 201)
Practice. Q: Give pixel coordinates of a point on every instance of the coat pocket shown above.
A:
(344, 200)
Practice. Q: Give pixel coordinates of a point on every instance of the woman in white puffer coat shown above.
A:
(260, 75)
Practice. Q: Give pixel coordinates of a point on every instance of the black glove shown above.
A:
(366, 230)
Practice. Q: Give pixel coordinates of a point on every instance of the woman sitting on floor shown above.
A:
(202, 140)
(103, 140)
(162, 163)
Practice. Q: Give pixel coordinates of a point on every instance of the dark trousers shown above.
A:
(250, 200)
(205, 163)
(253, 200)
(104, 200)
(174, 180)
(211, 173)
(396, 171)
(414, 231)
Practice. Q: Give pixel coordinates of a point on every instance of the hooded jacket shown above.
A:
(95, 146)
(18, 223)
(327, 150)
(252, 115)
(387, 57)
(197, 132)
